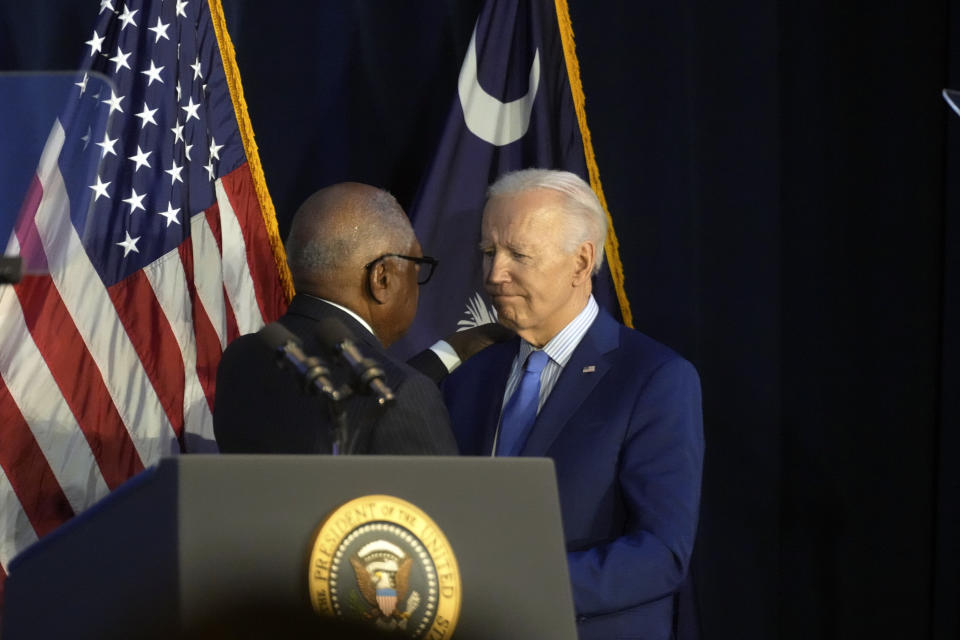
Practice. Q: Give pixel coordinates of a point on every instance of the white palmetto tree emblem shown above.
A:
(477, 313)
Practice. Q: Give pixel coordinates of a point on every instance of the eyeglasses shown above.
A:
(425, 260)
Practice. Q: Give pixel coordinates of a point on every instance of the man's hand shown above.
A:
(469, 341)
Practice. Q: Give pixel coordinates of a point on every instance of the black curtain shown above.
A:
(863, 145)
(781, 178)
(946, 619)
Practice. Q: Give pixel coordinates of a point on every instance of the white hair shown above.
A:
(580, 203)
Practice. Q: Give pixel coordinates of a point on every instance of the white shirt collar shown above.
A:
(352, 314)
(561, 346)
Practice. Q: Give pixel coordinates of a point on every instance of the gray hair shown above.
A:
(320, 243)
(580, 203)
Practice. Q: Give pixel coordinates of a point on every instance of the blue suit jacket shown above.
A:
(623, 425)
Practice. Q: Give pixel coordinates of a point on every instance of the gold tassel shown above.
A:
(228, 56)
(612, 246)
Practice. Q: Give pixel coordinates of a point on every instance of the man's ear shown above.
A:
(584, 259)
(379, 281)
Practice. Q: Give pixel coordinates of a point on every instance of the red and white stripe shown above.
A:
(98, 382)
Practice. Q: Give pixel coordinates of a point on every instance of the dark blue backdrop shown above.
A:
(778, 177)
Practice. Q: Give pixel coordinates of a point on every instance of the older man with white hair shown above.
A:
(618, 412)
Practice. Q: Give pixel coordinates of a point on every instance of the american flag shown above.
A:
(150, 218)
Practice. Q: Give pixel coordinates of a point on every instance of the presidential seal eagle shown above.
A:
(383, 578)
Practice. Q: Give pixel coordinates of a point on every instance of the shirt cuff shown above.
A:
(448, 356)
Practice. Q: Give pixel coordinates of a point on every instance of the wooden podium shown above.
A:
(197, 535)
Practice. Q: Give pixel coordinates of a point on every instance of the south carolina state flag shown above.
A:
(519, 104)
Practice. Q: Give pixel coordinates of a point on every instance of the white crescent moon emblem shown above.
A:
(491, 120)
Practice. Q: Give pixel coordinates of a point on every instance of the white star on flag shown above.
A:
(153, 73)
(135, 200)
(181, 5)
(129, 244)
(186, 150)
(174, 172)
(107, 145)
(120, 59)
(127, 17)
(215, 148)
(191, 110)
(146, 116)
(160, 30)
(114, 102)
(82, 84)
(141, 159)
(209, 168)
(196, 68)
(105, 4)
(177, 132)
(96, 43)
(170, 214)
(100, 189)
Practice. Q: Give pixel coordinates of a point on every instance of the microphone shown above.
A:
(336, 338)
(289, 352)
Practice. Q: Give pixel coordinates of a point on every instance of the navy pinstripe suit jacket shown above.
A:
(260, 408)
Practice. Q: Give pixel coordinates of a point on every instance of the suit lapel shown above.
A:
(586, 367)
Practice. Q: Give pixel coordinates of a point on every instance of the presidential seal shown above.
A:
(381, 559)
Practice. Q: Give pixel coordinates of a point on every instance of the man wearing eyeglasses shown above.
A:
(354, 258)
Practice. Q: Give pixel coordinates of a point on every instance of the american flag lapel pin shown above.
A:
(590, 368)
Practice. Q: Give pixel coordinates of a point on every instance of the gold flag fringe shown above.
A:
(612, 246)
(228, 56)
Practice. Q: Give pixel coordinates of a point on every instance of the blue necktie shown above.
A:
(521, 410)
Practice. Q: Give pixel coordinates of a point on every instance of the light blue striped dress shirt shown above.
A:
(559, 349)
